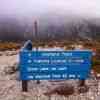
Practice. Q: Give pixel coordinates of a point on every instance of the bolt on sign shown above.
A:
(54, 65)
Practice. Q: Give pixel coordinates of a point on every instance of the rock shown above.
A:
(11, 69)
(98, 76)
(1, 53)
(64, 90)
(81, 83)
(14, 76)
(83, 89)
(10, 53)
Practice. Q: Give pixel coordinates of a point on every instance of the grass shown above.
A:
(17, 45)
(96, 64)
(96, 68)
(9, 46)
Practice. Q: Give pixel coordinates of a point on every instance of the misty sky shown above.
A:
(27, 8)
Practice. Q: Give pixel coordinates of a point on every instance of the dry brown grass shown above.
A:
(9, 46)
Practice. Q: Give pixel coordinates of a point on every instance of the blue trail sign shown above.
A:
(51, 65)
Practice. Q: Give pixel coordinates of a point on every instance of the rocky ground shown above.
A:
(10, 85)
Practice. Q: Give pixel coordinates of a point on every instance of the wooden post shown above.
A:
(82, 82)
(27, 46)
(24, 85)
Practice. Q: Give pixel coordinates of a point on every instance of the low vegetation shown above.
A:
(9, 46)
(66, 44)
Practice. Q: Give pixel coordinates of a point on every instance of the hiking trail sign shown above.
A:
(54, 65)
(47, 65)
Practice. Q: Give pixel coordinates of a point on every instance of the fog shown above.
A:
(53, 16)
(26, 9)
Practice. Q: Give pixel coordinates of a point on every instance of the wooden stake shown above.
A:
(24, 86)
(82, 83)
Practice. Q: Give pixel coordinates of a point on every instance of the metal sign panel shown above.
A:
(47, 65)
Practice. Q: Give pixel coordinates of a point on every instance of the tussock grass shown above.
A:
(9, 46)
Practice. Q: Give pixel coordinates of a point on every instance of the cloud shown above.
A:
(87, 8)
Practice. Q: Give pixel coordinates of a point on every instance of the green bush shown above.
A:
(95, 62)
